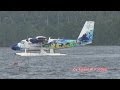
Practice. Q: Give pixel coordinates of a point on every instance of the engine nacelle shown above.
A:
(42, 39)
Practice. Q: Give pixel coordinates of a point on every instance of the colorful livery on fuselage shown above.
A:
(84, 38)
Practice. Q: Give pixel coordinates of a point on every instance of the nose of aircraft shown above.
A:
(15, 47)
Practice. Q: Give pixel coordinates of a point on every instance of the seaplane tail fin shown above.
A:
(86, 34)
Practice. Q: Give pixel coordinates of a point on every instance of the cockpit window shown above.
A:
(22, 42)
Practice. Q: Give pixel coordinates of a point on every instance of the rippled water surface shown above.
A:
(61, 67)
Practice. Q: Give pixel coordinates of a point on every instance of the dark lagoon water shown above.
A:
(63, 67)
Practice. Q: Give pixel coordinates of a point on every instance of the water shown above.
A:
(61, 67)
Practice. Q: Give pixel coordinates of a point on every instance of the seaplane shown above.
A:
(48, 46)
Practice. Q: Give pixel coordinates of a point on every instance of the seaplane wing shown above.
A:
(85, 37)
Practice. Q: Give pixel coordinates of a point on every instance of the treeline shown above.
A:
(18, 25)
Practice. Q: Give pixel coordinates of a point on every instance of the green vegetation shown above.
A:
(18, 25)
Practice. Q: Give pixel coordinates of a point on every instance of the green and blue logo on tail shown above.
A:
(86, 35)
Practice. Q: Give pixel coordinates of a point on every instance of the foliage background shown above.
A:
(18, 25)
